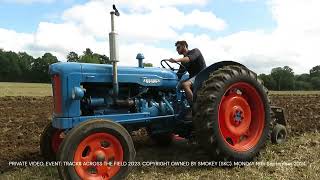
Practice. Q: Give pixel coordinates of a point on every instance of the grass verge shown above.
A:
(24, 89)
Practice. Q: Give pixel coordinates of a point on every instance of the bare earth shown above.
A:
(23, 118)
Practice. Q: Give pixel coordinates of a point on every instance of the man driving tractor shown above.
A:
(193, 62)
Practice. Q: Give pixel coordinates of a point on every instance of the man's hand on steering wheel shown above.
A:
(172, 60)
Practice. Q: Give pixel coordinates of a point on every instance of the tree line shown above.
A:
(22, 67)
(284, 79)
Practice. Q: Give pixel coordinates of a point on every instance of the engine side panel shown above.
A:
(75, 75)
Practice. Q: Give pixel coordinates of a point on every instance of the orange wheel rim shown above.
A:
(98, 156)
(241, 117)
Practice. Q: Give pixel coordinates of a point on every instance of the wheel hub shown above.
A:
(100, 156)
(237, 115)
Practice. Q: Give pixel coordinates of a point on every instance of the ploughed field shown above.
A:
(22, 119)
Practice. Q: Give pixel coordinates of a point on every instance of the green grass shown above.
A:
(44, 173)
(39, 89)
(24, 89)
(293, 92)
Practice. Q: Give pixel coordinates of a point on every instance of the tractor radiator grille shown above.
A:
(57, 98)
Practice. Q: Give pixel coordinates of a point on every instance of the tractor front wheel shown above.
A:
(50, 141)
(98, 149)
(232, 114)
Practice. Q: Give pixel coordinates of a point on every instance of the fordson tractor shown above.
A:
(97, 106)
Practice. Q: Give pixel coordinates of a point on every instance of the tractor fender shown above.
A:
(204, 74)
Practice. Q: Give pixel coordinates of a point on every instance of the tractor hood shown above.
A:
(149, 76)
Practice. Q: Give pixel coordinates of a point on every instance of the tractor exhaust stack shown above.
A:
(114, 53)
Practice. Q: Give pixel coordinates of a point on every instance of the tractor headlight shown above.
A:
(77, 93)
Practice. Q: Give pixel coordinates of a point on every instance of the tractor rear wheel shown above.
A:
(232, 114)
(99, 149)
(50, 141)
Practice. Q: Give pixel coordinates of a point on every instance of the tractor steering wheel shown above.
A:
(170, 67)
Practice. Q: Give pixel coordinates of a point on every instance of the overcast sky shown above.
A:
(261, 34)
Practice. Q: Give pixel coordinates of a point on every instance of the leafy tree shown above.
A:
(88, 52)
(90, 57)
(104, 59)
(4, 70)
(40, 67)
(302, 77)
(147, 64)
(315, 77)
(72, 57)
(315, 71)
(268, 81)
(315, 81)
(10, 68)
(25, 63)
(284, 78)
(22, 67)
(303, 85)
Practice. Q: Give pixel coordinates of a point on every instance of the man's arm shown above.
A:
(192, 55)
(181, 70)
(183, 60)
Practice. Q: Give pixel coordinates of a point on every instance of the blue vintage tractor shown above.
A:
(97, 106)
